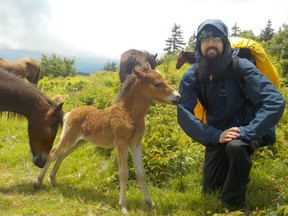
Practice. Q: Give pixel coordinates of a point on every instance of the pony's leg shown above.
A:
(59, 160)
(136, 152)
(122, 154)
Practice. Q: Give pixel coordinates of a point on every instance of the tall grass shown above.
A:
(87, 181)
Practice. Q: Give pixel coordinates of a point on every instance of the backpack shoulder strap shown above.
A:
(201, 93)
(236, 74)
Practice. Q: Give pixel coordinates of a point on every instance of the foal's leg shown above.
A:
(41, 175)
(59, 160)
(136, 152)
(122, 153)
(67, 141)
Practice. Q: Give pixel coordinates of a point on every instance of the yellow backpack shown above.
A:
(262, 61)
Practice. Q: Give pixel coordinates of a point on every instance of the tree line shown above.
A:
(274, 43)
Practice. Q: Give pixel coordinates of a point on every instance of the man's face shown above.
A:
(211, 46)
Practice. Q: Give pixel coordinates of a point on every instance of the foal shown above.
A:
(120, 126)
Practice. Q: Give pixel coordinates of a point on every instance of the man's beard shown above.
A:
(210, 66)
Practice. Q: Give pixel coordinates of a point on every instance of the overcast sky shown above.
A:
(107, 28)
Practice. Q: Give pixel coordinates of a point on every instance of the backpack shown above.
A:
(254, 52)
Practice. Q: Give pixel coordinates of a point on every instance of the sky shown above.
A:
(107, 28)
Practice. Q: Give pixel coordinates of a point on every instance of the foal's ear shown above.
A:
(58, 108)
(138, 71)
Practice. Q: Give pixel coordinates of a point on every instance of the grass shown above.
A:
(88, 185)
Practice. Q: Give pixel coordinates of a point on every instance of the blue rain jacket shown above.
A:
(231, 107)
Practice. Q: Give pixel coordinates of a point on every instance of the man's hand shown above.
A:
(229, 134)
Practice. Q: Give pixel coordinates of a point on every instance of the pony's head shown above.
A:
(152, 60)
(185, 56)
(155, 87)
(42, 133)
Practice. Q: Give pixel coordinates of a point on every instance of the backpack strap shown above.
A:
(236, 74)
(201, 96)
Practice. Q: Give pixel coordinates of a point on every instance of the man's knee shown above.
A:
(236, 147)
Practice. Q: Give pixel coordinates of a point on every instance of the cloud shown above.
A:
(92, 28)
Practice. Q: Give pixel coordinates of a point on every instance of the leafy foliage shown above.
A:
(55, 66)
(111, 66)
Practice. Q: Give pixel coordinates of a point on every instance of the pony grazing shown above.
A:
(132, 58)
(185, 57)
(25, 68)
(43, 114)
(120, 126)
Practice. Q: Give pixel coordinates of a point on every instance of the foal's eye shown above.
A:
(158, 85)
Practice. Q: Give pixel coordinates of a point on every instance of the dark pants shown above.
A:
(226, 168)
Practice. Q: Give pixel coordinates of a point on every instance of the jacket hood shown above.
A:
(223, 33)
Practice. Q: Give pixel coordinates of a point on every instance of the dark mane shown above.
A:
(133, 58)
(5, 75)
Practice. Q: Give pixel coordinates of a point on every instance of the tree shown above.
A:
(56, 66)
(278, 47)
(248, 34)
(191, 43)
(110, 66)
(235, 30)
(176, 41)
(267, 33)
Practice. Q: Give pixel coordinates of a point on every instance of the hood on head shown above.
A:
(217, 28)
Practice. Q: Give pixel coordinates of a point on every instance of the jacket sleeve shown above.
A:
(265, 96)
(192, 126)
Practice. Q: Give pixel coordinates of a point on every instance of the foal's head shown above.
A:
(155, 87)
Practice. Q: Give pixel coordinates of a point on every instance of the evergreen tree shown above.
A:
(191, 43)
(267, 33)
(235, 30)
(176, 41)
(278, 47)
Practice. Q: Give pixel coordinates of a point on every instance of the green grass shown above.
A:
(88, 184)
(87, 181)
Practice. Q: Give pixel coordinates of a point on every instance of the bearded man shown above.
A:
(239, 118)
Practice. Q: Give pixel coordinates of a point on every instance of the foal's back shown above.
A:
(99, 126)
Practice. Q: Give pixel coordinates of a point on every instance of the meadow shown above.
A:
(87, 181)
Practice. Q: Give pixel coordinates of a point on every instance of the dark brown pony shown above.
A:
(43, 114)
(25, 68)
(131, 58)
(120, 126)
(185, 57)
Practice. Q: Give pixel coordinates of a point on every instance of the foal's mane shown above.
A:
(126, 86)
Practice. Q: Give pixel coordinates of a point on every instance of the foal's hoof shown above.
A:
(149, 203)
(37, 184)
(124, 210)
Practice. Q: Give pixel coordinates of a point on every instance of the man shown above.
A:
(235, 125)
